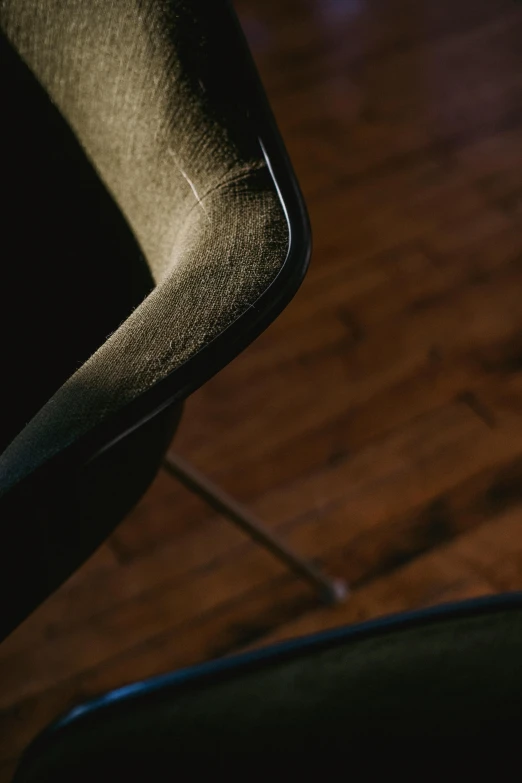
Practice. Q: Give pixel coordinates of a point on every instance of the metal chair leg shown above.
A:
(332, 591)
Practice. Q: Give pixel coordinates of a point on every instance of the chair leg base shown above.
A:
(331, 591)
(339, 592)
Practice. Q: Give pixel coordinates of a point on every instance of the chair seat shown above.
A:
(445, 674)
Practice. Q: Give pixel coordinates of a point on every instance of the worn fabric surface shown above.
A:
(137, 82)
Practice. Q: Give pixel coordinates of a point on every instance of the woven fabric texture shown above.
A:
(136, 81)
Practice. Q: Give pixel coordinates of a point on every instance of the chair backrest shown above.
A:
(438, 675)
(164, 202)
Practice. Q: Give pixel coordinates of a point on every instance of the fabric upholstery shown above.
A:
(441, 678)
(148, 96)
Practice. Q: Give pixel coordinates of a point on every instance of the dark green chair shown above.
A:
(422, 681)
(152, 228)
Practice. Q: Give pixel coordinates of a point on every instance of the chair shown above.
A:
(443, 674)
(152, 228)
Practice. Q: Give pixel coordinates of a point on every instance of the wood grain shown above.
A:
(378, 423)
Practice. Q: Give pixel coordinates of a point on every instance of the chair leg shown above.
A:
(332, 591)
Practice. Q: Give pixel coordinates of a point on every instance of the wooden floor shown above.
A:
(377, 424)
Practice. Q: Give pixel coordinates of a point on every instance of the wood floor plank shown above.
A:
(472, 565)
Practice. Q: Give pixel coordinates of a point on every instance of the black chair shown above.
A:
(443, 674)
(154, 228)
